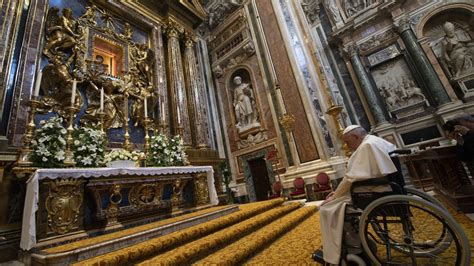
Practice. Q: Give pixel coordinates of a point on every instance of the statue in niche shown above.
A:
(61, 33)
(244, 105)
(457, 53)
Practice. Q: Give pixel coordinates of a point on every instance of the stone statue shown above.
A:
(457, 53)
(244, 108)
(408, 90)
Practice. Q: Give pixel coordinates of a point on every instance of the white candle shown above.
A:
(38, 83)
(178, 116)
(145, 107)
(102, 99)
(73, 93)
(162, 112)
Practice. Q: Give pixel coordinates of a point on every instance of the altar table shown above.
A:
(100, 176)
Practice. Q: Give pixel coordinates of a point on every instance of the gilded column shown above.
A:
(370, 92)
(178, 91)
(421, 62)
(197, 102)
(162, 119)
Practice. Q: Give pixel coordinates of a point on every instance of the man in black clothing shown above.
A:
(462, 130)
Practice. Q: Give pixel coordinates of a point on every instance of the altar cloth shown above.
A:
(28, 232)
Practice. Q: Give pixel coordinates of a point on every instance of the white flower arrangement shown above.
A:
(124, 155)
(166, 151)
(88, 147)
(49, 144)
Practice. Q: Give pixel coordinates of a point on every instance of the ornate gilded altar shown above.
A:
(69, 202)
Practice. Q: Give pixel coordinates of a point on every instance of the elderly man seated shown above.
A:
(370, 159)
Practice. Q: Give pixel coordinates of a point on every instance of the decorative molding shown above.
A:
(311, 10)
(252, 140)
(377, 40)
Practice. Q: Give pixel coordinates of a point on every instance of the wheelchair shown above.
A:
(402, 226)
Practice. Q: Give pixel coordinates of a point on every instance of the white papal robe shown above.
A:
(369, 160)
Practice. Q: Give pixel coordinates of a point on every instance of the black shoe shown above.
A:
(318, 256)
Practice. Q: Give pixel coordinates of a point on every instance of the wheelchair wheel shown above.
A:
(421, 194)
(412, 231)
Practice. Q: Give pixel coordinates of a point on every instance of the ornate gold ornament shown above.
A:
(334, 111)
(115, 199)
(287, 121)
(146, 195)
(63, 204)
(177, 197)
(67, 47)
(201, 191)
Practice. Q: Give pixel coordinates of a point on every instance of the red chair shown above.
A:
(322, 186)
(277, 187)
(300, 192)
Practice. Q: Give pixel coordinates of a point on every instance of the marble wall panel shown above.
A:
(303, 136)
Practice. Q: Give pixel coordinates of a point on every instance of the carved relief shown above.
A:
(353, 7)
(63, 204)
(397, 86)
(252, 140)
(219, 10)
(311, 10)
(377, 39)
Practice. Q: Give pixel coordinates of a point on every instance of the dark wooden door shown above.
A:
(261, 182)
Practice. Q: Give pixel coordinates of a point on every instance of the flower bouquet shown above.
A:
(88, 147)
(49, 144)
(164, 151)
(123, 158)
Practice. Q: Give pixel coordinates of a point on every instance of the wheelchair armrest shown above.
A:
(372, 182)
(400, 151)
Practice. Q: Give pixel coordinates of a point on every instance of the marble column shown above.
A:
(162, 120)
(177, 84)
(369, 90)
(196, 94)
(421, 61)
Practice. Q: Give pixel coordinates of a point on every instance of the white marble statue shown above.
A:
(244, 104)
(457, 53)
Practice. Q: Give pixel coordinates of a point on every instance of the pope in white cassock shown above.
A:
(369, 159)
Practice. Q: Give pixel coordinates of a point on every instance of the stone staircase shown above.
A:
(243, 232)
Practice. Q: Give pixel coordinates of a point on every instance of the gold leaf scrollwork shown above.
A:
(63, 204)
(201, 190)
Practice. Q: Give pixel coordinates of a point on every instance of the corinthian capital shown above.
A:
(173, 29)
(189, 39)
(350, 50)
(402, 24)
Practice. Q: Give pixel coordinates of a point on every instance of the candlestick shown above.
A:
(73, 93)
(126, 135)
(145, 107)
(38, 83)
(25, 151)
(69, 160)
(102, 99)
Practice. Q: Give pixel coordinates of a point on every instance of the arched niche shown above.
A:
(455, 60)
(244, 103)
